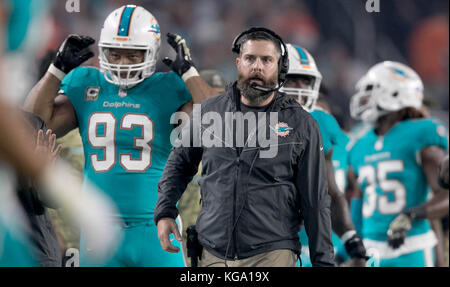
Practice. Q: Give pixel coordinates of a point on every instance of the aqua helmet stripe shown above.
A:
(125, 21)
(303, 56)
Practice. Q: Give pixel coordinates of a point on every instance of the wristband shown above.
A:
(192, 72)
(418, 212)
(56, 72)
(347, 235)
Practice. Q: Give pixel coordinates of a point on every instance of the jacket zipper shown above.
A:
(234, 255)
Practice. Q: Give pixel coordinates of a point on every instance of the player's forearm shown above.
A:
(199, 89)
(438, 206)
(439, 248)
(340, 215)
(340, 212)
(435, 208)
(41, 99)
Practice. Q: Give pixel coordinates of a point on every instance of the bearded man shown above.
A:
(253, 203)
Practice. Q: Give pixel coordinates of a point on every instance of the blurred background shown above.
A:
(343, 37)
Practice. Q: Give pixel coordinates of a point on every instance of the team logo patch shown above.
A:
(154, 28)
(398, 74)
(91, 93)
(282, 129)
(122, 93)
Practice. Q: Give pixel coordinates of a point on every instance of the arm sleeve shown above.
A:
(180, 168)
(431, 132)
(182, 93)
(311, 181)
(65, 87)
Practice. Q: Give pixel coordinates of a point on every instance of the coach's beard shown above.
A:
(254, 96)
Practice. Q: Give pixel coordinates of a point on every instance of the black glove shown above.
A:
(73, 52)
(355, 247)
(183, 61)
(398, 229)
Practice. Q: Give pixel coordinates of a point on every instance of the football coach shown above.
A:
(253, 206)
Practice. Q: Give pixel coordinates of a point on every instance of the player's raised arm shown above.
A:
(184, 67)
(44, 101)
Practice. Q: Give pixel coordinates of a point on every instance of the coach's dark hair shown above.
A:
(257, 35)
(260, 33)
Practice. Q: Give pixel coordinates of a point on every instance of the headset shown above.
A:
(283, 62)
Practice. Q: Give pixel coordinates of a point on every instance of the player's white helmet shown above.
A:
(129, 27)
(362, 106)
(387, 87)
(302, 63)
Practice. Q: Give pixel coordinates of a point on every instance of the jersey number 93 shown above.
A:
(108, 142)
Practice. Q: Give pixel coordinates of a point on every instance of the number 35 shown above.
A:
(108, 143)
(379, 178)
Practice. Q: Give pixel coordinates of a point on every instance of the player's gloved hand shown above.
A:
(72, 53)
(355, 247)
(182, 65)
(398, 229)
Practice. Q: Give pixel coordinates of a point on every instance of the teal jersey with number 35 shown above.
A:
(126, 134)
(390, 174)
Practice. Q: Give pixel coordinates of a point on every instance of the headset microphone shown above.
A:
(263, 89)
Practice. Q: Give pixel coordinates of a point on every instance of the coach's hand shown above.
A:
(72, 53)
(167, 226)
(182, 65)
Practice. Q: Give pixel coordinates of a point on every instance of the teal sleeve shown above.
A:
(431, 132)
(74, 85)
(356, 214)
(182, 93)
(334, 130)
(66, 83)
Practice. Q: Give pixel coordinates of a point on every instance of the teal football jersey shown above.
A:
(126, 134)
(340, 161)
(333, 138)
(15, 249)
(390, 174)
(24, 21)
(329, 129)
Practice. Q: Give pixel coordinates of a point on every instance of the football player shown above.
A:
(393, 164)
(303, 82)
(17, 152)
(123, 112)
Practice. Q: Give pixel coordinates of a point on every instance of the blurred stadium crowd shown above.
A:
(344, 38)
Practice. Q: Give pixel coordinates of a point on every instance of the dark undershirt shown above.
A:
(250, 109)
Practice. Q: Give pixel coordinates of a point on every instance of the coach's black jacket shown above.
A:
(269, 201)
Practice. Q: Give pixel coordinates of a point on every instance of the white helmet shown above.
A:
(129, 27)
(302, 63)
(387, 87)
(362, 106)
